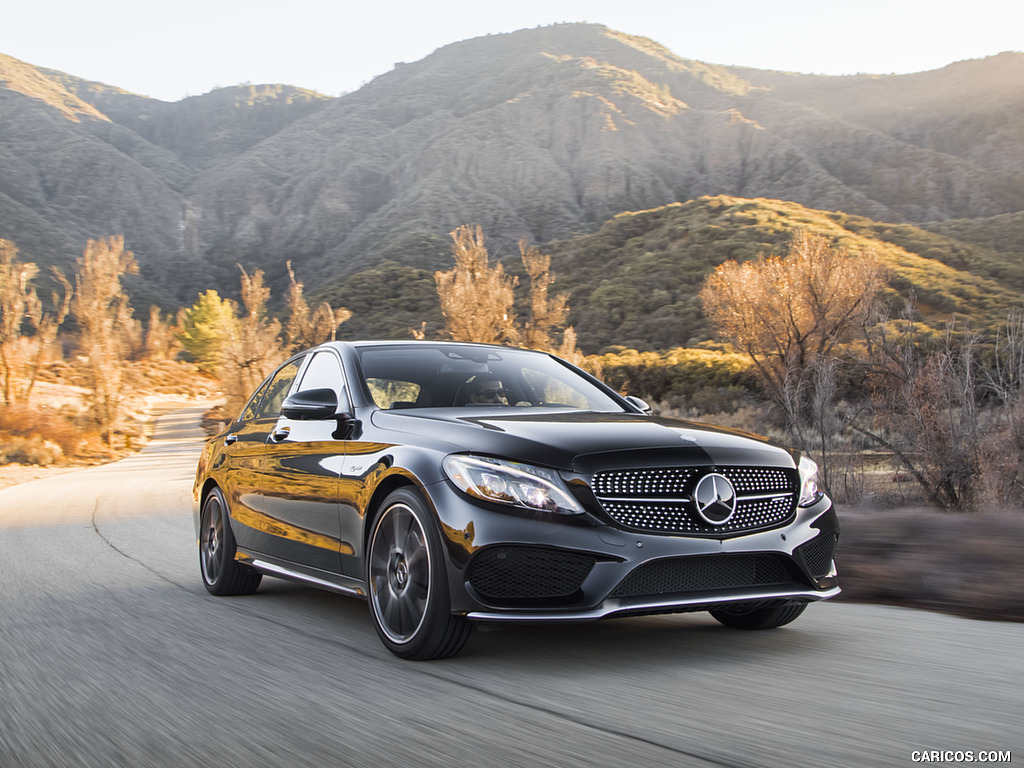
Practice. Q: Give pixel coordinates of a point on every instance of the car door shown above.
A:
(302, 466)
(242, 458)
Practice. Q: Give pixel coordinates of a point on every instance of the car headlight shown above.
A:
(508, 482)
(809, 491)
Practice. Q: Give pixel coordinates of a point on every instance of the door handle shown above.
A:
(230, 439)
(280, 433)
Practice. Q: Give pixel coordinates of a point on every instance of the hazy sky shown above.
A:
(168, 50)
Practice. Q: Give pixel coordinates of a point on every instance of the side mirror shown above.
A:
(641, 405)
(311, 405)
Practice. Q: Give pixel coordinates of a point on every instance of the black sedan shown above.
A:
(451, 484)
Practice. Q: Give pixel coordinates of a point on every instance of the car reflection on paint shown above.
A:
(449, 484)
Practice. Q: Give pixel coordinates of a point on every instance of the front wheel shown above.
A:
(763, 618)
(409, 599)
(222, 574)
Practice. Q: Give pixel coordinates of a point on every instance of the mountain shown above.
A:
(82, 160)
(540, 134)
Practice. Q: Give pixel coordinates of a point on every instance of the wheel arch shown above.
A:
(208, 485)
(385, 488)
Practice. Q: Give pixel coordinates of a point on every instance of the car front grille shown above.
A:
(527, 573)
(701, 573)
(659, 500)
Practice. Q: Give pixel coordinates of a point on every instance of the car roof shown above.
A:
(360, 344)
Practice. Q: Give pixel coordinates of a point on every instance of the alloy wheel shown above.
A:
(399, 572)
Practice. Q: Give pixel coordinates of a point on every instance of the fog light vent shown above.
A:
(818, 553)
(503, 573)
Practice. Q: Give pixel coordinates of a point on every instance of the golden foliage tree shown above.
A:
(547, 313)
(476, 299)
(790, 316)
(161, 341)
(101, 310)
(254, 347)
(22, 355)
(786, 313)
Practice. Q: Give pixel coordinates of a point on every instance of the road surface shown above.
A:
(113, 654)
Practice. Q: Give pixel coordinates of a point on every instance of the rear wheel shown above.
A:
(763, 618)
(222, 574)
(409, 599)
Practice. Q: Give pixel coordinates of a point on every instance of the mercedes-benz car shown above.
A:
(451, 484)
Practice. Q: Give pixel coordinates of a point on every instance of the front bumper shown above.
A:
(511, 566)
(673, 604)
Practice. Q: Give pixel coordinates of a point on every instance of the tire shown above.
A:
(763, 618)
(222, 574)
(408, 582)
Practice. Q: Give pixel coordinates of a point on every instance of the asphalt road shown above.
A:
(113, 654)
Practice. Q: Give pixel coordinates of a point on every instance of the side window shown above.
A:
(392, 393)
(276, 391)
(254, 401)
(324, 372)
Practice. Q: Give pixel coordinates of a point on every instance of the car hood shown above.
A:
(584, 441)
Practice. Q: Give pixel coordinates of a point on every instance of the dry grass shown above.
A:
(55, 427)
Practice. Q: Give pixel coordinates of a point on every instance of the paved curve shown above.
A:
(112, 654)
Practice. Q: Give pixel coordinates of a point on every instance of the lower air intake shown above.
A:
(696, 574)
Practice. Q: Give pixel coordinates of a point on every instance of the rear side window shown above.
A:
(267, 401)
(250, 408)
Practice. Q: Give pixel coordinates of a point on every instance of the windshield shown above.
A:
(444, 376)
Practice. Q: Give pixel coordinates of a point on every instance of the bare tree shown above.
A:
(1004, 444)
(809, 401)
(21, 356)
(476, 299)
(926, 410)
(101, 310)
(307, 328)
(161, 341)
(1005, 376)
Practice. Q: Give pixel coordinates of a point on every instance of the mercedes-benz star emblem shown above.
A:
(715, 498)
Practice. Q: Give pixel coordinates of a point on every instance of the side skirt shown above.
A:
(335, 582)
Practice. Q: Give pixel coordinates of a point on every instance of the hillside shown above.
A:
(970, 109)
(549, 132)
(541, 134)
(634, 282)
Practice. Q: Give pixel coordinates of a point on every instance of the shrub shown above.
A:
(685, 378)
(53, 427)
(15, 449)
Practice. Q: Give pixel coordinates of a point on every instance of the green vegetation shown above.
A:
(634, 282)
(991, 248)
(691, 380)
(206, 326)
(387, 301)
